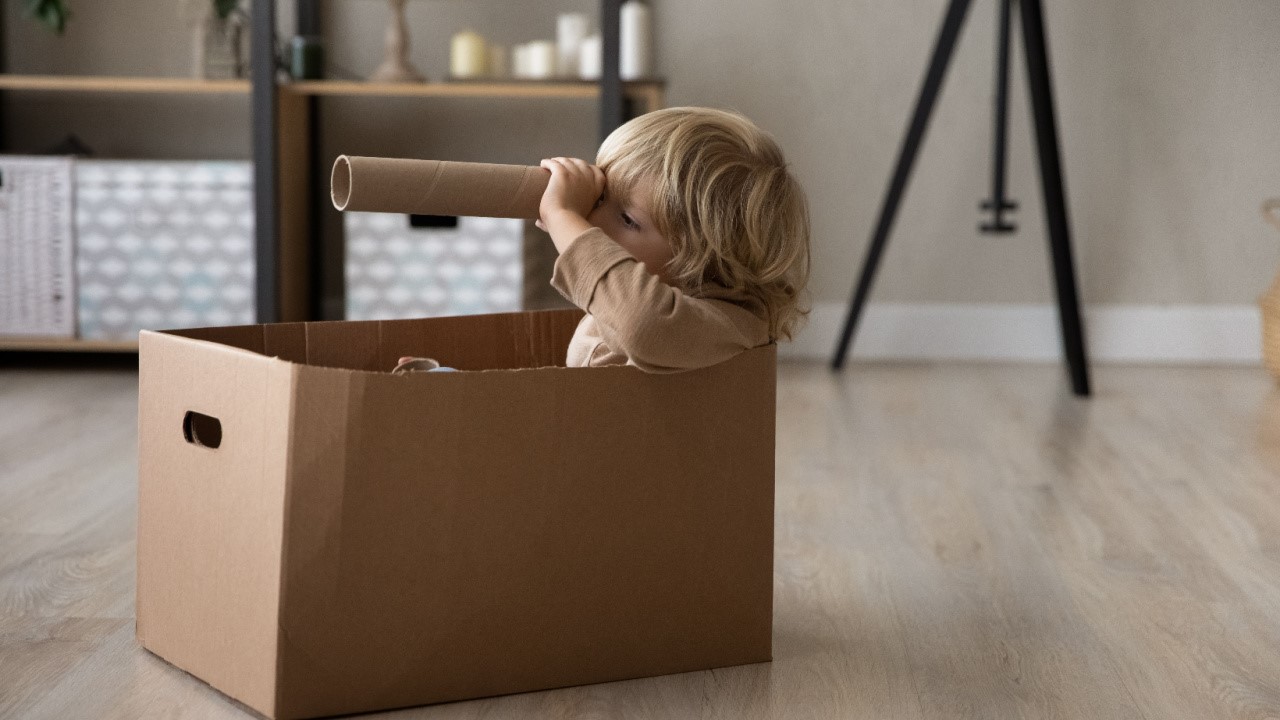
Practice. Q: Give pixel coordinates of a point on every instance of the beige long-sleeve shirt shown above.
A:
(633, 318)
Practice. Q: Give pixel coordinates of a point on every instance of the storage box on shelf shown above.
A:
(37, 281)
(156, 244)
(394, 270)
(163, 244)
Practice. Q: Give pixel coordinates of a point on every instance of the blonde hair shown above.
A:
(721, 194)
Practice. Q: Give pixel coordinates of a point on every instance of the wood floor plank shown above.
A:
(953, 541)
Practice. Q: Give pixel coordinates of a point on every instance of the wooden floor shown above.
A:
(952, 542)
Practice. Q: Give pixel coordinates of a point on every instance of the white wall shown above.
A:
(1169, 119)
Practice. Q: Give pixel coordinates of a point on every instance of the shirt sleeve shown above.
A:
(658, 327)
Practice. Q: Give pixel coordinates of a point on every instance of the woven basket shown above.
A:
(1270, 303)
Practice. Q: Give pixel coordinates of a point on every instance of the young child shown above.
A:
(686, 243)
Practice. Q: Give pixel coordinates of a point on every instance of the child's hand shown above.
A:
(571, 195)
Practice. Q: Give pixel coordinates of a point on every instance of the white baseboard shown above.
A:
(1190, 334)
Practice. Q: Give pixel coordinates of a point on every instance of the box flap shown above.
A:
(471, 342)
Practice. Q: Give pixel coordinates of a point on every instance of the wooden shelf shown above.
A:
(106, 84)
(484, 89)
(494, 89)
(39, 344)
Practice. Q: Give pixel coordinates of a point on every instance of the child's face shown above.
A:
(630, 223)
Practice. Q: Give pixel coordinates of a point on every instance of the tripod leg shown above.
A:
(1055, 202)
(999, 204)
(942, 53)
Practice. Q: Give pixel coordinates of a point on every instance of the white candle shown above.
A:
(571, 28)
(468, 57)
(590, 58)
(636, 50)
(541, 57)
(520, 62)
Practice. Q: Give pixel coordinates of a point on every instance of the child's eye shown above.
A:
(626, 220)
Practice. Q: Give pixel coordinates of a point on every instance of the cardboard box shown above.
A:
(360, 541)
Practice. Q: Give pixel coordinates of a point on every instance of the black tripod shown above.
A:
(1055, 205)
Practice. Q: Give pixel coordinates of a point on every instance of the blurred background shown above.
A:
(1167, 116)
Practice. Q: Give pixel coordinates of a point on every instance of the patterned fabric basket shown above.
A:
(1270, 303)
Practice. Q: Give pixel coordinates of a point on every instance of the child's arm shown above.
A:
(656, 326)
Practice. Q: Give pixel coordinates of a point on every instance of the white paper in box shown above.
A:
(37, 285)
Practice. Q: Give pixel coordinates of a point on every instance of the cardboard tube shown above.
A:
(436, 187)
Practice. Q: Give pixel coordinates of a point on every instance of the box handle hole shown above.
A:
(203, 430)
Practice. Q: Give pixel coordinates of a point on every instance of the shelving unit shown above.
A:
(283, 116)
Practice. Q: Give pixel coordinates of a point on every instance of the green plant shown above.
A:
(224, 8)
(51, 13)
